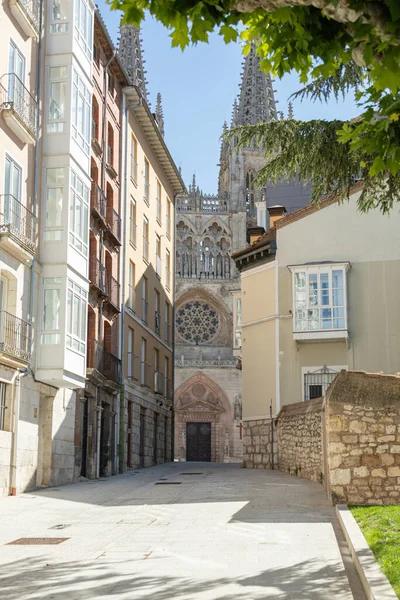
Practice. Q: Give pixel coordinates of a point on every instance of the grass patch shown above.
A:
(381, 528)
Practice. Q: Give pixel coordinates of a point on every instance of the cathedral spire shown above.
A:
(290, 111)
(160, 114)
(130, 53)
(256, 99)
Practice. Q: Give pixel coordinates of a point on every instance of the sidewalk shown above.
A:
(221, 533)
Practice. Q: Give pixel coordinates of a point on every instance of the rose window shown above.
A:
(197, 322)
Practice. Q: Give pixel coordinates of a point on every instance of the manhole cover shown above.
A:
(61, 526)
(37, 541)
(168, 483)
(192, 473)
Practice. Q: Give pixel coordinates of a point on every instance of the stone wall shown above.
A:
(257, 444)
(363, 438)
(299, 439)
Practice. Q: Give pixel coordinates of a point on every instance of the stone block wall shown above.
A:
(363, 438)
(258, 444)
(299, 439)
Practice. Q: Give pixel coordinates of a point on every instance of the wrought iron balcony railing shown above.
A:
(97, 274)
(145, 370)
(18, 222)
(16, 97)
(31, 9)
(114, 223)
(133, 366)
(14, 336)
(159, 383)
(112, 367)
(99, 201)
(112, 288)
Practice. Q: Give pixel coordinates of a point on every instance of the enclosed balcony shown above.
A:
(19, 108)
(97, 276)
(14, 340)
(112, 292)
(17, 228)
(27, 13)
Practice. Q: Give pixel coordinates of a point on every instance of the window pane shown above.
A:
(337, 279)
(301, 299)
(313, 289)
(338, 297)
(54, 207)
(313, 319)
(57, 100)
(51, 317)
(300, 280)
(60, 10)
(55, 176)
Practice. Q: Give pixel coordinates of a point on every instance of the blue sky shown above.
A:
(198, 87)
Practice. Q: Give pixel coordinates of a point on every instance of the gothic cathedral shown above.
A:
(208, 385)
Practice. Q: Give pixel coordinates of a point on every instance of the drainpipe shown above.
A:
(124, 196)
(173, 335)
(16, 386)
(36, 171)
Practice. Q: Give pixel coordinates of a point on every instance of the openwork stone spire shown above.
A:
(256, 100)
(130, 53)
(160, 114)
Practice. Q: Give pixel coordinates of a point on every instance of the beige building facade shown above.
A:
(319, 294)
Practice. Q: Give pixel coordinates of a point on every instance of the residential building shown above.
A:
(320, 291)
(151, 183)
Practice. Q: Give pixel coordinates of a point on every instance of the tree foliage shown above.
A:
(336, 47)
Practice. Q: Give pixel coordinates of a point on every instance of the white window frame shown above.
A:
(76, 340)
(51, 337)
(57, 125)
(60, 24)
(53, 233)
(318, 269)
(81, 112)
(310, 370)
(76, 239)
(83, 29)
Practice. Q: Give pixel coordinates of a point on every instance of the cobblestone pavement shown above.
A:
(184, 531)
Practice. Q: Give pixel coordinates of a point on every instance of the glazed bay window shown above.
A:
(319, 300)
(78, 215)
(81, 103)
(76, 317)
(57, 99)
(51, 310)
(83, 19)
(54, 203)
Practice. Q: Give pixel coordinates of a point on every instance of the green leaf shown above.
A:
(229, 33)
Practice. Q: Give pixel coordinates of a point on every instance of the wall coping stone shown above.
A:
(301, 408)
(364, 389)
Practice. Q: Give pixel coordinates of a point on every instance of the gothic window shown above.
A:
(197, 322)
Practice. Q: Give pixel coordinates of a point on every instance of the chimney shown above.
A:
(253, 233)
(275, 213)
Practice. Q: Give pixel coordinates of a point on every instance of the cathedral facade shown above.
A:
(208, 383)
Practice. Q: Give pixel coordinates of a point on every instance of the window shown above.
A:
(145, 238)
(84, 26)
(111, 84)
(78, 215)
(157, 316)
(143, 364)
(167, 325)
(158, 256)
(131, 340)
(76, 317)
(166, 373)
(81, 100)
(95, 119)
(319, 297)
(159, 207)
(168, 218)
(57, 99)
(59, 16)
(134, 162)
(146, 196)
(12, 182)
(316, 380)
(110, 145)
(54, 204)
(157, 382)
(132, 229)
(16, 66)
(167, 269)
(145, 304)
(51, 310)
(132, 291)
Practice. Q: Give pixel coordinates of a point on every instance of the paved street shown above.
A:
(187, 531)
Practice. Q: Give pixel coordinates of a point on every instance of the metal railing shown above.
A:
(112, 288)
(146, 195)
(32, 10)
(14, 336)
(15, 96)
(112, 367)
(167, 332)
(159, 383)
(145, 311)
(97, 274)
(157, 322)
(158, 266)
(98, 201)
(132, 232)
(132, 366)
(114, 223)
(145, 370)
(17, 221)
(145, 248)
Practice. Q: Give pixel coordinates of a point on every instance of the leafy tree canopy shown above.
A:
(336, 47)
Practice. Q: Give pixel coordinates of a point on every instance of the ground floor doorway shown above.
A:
(198, 442)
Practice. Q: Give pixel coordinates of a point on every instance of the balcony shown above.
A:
(27, 13)
(97, 276)
(14, 340)
(145, 370)
(17, 228)
(112, 367)
(110, 160)
(132, 366)
(95, 138)
(113, 222)
(98, 203)
(159, 383)
(112, 291)
(145, 311)
(19, 108)
(103, 361)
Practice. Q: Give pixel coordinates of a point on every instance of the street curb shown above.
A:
(376, 585)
